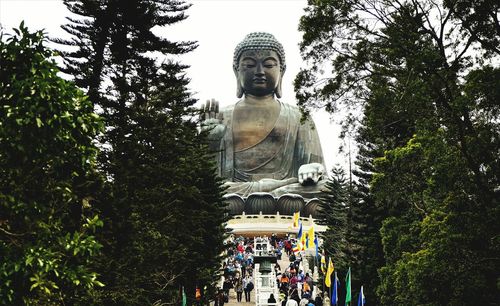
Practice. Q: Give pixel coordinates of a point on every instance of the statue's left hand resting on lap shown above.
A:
(310, 174)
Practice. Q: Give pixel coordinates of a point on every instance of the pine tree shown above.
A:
(333, 214)
(336, 213)
(164, 216)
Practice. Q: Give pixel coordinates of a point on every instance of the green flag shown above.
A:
(184, 300)
(348, 287)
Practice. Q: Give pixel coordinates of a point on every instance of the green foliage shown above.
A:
(164, 216)
(48, 177)
(441, 235)
(333, 213)
(478, 19)
(429, 139)
(339, 212)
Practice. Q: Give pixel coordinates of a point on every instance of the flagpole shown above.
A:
(323, 289)
(330, 293)
(323, 282)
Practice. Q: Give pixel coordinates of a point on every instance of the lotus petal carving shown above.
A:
(260, 202)
(235, 204)
(312, 208)
(288, 204)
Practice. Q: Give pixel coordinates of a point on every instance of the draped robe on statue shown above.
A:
(272, 161)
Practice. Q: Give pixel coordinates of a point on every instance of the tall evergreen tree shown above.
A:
(164, 218)
(333, 214)
(428, 136)
(48, 179)
(336, 212)
(364, 237)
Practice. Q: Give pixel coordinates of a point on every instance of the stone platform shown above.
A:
(262, 214)
(261, 224)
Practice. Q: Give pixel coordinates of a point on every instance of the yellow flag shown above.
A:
(296, 217)
(328, 276)
(323, 264)
(303, 242)
(310, 238)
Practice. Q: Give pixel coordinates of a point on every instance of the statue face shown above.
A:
(259, 72)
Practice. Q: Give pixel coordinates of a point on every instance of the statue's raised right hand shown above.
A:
(210, 110)
(211, 119)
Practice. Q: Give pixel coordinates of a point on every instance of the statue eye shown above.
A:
(270, 64)
(248, 63)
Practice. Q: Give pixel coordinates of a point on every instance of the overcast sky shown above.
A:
(217, 26)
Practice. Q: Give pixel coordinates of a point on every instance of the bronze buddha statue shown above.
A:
(261, 144)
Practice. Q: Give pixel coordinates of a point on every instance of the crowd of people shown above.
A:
(238, 271)
(296, 287)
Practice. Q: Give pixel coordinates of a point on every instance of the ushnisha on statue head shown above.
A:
(257, 51)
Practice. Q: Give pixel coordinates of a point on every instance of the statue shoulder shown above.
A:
(289, 106)
(227, 108)
(226, 113)
(291, 110)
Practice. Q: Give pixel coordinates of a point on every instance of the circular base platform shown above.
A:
(260, 225)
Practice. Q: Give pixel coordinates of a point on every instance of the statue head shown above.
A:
(266, 53)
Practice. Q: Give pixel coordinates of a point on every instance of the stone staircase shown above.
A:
(284, 263)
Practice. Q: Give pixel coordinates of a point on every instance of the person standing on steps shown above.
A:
(219, 298)
(271, 300)
(226, 286)
(238, 287)
(248, 286)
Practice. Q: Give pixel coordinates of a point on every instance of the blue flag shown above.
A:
(361, 299)
(335, 296)
(316, 244)
(300, 232)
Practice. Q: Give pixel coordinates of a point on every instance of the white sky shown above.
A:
(217, 26)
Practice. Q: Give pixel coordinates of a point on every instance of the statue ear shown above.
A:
(239, 88)
(279, 91)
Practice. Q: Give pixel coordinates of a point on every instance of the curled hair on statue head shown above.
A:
(260, 41)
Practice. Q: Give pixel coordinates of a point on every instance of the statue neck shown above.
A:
(259, 100)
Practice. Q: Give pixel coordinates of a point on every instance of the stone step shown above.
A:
(232, 294)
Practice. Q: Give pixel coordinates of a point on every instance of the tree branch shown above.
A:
(11, 234)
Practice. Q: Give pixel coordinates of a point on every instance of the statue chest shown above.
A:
(260, 150)
(252, 126)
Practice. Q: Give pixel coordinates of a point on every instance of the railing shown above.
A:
(262, 247)
(265, 284)
(267, 224)
(271, 218)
